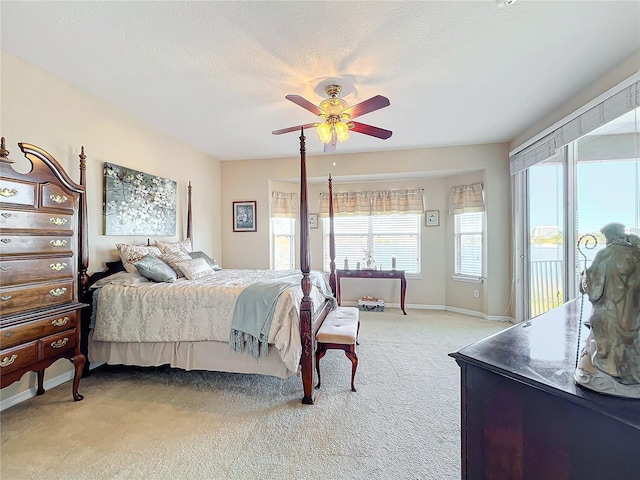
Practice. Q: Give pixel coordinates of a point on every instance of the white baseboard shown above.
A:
(473, 313)
(31, 392)
(48, 384)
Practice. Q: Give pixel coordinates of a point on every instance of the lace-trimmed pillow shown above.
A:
(173, 259)
(196, 268)
(175, 247)
(130, 254)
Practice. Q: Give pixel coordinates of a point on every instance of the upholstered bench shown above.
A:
(339, 331)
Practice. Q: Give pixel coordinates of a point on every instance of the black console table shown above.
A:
(523, 417)
(399, 274)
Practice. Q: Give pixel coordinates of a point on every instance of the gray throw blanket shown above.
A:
(254, 310)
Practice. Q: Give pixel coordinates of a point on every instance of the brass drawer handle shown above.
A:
(5, 268)
(58, 221)
(5, 298)
(57, 292)
(6, 214)
(5, 240)
(59, 322)
(58, 266)
(9, 334)
(60, 343)
(58, 243)
(6, 361)
(58, 198)
(5, 192)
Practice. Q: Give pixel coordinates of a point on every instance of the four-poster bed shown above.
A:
(298, 313)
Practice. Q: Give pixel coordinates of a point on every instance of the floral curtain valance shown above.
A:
(284, 205)
(381, 202)
(466, 199)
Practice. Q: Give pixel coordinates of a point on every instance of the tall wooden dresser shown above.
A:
(43, 263)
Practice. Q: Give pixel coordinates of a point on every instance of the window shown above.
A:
(468, 244)
(600, 184)
(284, 244)
(387, 235)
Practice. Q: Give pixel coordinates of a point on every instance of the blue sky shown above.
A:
(608, 192)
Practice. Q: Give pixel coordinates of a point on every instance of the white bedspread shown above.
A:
(196, 310)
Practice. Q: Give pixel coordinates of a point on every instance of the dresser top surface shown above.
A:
(542, 353)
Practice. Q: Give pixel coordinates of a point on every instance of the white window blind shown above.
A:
(387, 235)
(284, 245)
(468, 244)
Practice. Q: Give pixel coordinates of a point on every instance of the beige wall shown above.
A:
(42, 110)
(434, 169)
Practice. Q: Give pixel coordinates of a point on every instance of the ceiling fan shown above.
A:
(337, 117)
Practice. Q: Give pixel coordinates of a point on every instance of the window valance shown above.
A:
(380, 202)
(621, 102)
(466, 199)
(284, 205)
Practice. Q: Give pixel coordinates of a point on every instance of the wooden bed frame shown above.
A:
(309, 323)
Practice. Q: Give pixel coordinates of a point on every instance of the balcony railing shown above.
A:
(546, 285)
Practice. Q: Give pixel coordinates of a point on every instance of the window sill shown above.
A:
(466, 279)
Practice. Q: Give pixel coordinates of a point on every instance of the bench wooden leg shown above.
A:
(322, 349)
(351, 355)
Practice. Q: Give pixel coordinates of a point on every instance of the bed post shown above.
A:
(306, 328)
(189, 232)
(83, 240)
(332, 242)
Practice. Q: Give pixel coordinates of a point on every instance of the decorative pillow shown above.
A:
(173, 259)
(175, 247)
(212, 263)
(130, 254)
(155, 269)
(196, 268)
(121, 278)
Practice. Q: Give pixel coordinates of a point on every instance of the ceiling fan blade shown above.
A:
(304, 103)
(331, 146)
(293, 129)
(374, 103)
(370, 130)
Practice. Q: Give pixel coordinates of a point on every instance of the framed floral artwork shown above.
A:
(244, 216)
(137, 203)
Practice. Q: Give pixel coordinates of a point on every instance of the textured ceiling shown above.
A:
(214, 74)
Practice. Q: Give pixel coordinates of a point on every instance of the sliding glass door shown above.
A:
(546, 232)
(592, 181)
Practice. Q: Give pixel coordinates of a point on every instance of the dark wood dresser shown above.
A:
(524, 418)
(42, 267)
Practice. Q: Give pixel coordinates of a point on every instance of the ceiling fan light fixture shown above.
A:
(342, 131)
(325, 132)
(333, 106)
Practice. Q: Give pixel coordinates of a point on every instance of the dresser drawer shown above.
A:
(56, 344)
(27, 298)
(20, 245)
(16, 219)
(15, 358)
(16, 192)
(368, 274)
(55, 197)
(17, 334)
(14, 272)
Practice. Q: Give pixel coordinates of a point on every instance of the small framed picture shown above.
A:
(244, 216)
(431, 218)
(313, 220)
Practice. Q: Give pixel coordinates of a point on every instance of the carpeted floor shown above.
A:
(135, 423)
